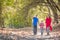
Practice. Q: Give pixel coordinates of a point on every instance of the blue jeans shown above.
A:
(35, 29)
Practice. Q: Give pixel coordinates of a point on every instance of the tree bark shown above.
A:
(54, 10)
(59, 2)
(1, 17)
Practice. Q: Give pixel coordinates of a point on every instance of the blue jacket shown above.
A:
(35, 21)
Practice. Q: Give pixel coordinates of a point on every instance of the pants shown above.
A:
(41, 30)
(35, 29)
(48, 30)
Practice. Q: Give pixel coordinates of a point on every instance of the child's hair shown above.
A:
(41, 20)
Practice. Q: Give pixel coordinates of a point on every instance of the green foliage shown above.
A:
(14, 14)
(9, 2)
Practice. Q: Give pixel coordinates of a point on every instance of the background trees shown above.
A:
(19, 13)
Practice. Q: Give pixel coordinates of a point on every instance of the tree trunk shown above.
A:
(1, 18)
(59, 2)
(54, 10)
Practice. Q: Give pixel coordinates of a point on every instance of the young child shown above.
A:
(41, 27)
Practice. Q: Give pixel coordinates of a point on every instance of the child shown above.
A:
(41, 27)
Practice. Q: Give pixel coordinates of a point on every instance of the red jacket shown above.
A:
(48, 23)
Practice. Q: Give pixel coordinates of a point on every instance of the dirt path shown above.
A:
(26, 34)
